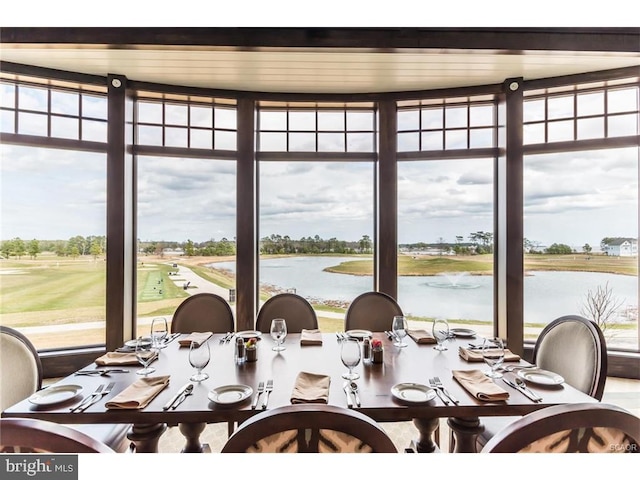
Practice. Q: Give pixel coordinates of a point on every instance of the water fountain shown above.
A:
(453, 280)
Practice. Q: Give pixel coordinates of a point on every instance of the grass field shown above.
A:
(59, 291)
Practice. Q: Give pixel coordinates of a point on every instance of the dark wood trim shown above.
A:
(588, 77)
(451, 154)
(377, 39)
(514, 203)
(60, 363)
(386, 266)
(50, 142)
(316, 156)
(582, 145)
(44, 72)
(140, 150)
(246, 219)
(117, 311)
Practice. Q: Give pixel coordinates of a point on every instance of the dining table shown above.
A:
(378, 384)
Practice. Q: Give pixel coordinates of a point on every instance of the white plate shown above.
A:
(247, 334)
(462, 332)
(540, 377)
(413, 392)
(228, 394)
(132, 343)
(55, 394)
(360, 334)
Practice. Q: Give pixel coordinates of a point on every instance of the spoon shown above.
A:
(523, 386)
(354, 389)
(188, 391)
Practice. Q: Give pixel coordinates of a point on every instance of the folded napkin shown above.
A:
(197, 337)
(119, 358)
(472, 355)
(139, 394)
(311, 388)
(422, 336)
(480, 386)
(310, 337)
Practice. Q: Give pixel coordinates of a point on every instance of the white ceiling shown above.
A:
(320, 70)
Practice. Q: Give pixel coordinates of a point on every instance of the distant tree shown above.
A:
(587, 248)
(19, 248)
(559, 249)
(33, 248)
(6, 248)
(189, 249)
(74, 251)
(96, 248)
(365, 244)
(601, 306)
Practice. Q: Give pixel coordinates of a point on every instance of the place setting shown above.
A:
(413, 393)
(55, 395)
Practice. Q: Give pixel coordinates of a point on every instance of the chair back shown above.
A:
(572, 428)
(28, 435)
(203, 312)
(17, 351)
(372, 311)
(309, 428)
(296, 310)
(575, 348)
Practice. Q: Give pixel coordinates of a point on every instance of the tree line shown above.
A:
(74, 247)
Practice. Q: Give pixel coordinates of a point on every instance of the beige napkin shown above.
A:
(311, 388)
(310, 337)
(198, 337)
(480, 386)
(422, 336)
(117, 358)
(139, 394)
(475, 355)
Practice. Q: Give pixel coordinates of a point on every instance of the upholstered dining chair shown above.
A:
(309, 428)
(577, 428)
(571, 346)
(22, 376)
(372, 311)
(296, 310)
(28, 435)
(203, 312)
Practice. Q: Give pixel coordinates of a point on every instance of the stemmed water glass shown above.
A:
(440, 331)
(350, 355)
(493, 356)
(278, 333)
(145, 355)
(159, 332)
(199, 356)
(399, 327)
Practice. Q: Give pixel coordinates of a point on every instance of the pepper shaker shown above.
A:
(366, 350)
(240, 354)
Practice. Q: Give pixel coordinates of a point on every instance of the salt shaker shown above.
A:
(240, 354)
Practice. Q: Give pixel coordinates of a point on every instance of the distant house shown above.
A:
(622, 247)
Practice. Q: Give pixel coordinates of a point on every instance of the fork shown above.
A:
(432, 384)
(97, 396)
(441, 386)
(267, 391)
(88, 398)
(254, 404)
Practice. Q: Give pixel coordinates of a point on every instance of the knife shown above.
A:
(347, 390)
(177, 396)
(101, 371)
(527, 393)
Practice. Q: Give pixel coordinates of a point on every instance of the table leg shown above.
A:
(426, 427)
(146, 436)
(464, 432)
(191, 433)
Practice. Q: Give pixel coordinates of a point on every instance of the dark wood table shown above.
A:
(414, 363)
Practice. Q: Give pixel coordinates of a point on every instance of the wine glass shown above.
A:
(399, 327)
(440, 331)
(159, 332)
(493, 356)
(145, 355)
(199, 356)
(350, 356)
(278, 333)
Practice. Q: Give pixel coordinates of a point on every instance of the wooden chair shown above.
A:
(309, 428)
(22, 376)
(296, 310)
(203, 312)
(577, 428)
(372, 311)
(571, 346)
(28, 435)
